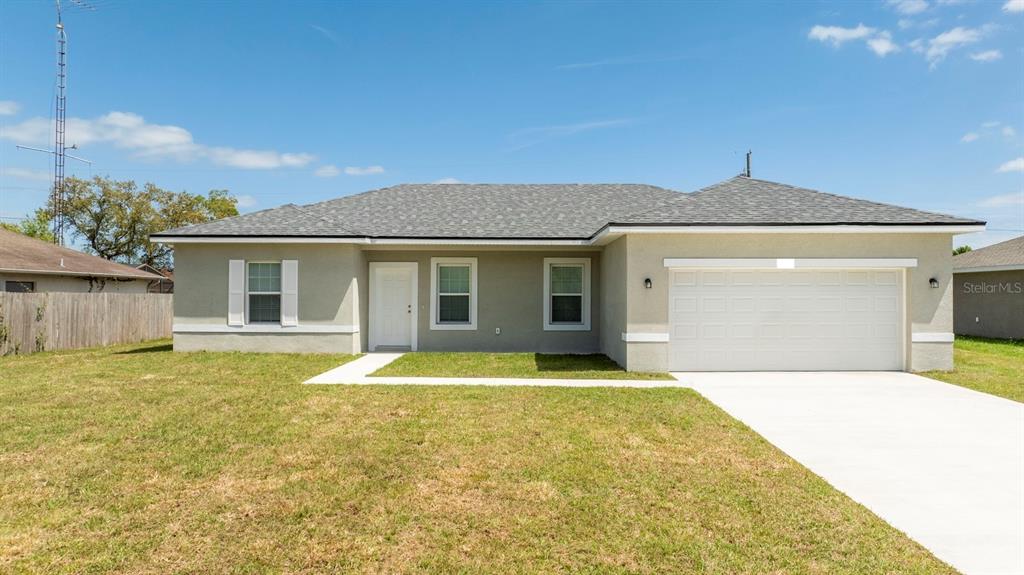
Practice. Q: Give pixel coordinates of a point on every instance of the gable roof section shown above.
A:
(22, 254)
(751, 202)
(556, 211)
(470, 211)
(1004, 255)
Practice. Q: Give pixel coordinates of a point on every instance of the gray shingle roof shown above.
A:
(1008, 253)
(451, 211)
(555, 211)
(748, 201)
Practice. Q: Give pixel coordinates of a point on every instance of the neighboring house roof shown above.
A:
(22, 254)
(555, 211)
(1005, 255)
(165, 273)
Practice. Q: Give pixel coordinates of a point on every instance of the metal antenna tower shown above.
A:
(59, 132)
(58, 194)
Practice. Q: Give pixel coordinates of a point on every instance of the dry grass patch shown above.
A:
(225, 463)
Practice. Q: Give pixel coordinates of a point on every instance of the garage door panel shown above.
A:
(785, 320)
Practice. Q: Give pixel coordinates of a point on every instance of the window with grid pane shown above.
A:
(566, 294)
(264, 292)
(20, 286)
(453, 293)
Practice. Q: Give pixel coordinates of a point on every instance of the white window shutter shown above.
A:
(236, 292)
(289, 292)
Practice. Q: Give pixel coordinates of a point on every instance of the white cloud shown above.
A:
(1004, 200)
(882, 44)
(837, 35)
(1015, 165)
(908, 6)
(367, 171)
(1014, 6)
(26, 174)
(9, 107)
(940, 46)
(328, 171)
(878, 41)
(986, 56)
(907, 23)
(258, 159)
(988, 129)
(131, 132)
(531, 136)
(245, 201)
(329, 34)
(448, 181)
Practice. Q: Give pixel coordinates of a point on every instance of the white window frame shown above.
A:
(247, 293)
(584, 325)
(435, 296)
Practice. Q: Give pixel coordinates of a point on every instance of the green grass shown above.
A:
(138, 460)
(989, 365)
(517, 365)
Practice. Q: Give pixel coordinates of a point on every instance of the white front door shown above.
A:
(785, 320)
(393, 311)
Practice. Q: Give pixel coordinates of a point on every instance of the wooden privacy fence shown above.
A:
(31, 322)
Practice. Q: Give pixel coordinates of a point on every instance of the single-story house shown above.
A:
(163, 285)
(988, 299)
(746, 274)
(31, 265)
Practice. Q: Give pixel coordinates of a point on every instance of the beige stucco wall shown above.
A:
(989, 304)
(930, 310)
(613, 299)
(510, 297)
(55, 283)
(265, 342)
(328, 296)
(334, 285)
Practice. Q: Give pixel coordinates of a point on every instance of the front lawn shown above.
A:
(138, 460)
(990, 365)
(516, 365)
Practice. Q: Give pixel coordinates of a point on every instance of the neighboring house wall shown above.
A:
(930, 309)
(613, 300)
(327, 298)
(989, 304)
(75, 284)
(510, 297)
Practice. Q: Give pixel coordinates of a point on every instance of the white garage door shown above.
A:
(785, 320)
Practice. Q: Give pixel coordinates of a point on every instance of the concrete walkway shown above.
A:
(358, 372)
(941, 463)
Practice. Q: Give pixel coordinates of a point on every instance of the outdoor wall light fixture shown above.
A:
(648, 283)
(933, 282)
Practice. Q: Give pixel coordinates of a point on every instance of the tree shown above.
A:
(38, 226)
(115, 218)
(961, 250)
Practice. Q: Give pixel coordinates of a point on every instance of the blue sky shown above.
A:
(914, 102)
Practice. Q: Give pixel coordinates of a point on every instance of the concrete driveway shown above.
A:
(939, 462)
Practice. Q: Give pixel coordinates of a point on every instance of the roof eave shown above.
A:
(983, 269)
(113, 275)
